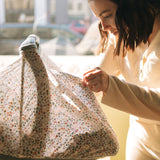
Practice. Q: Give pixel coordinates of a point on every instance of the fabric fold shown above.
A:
(46, 113)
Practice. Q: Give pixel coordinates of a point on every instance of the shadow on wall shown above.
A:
(120, 122)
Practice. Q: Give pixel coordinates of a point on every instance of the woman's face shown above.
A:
(105, 10)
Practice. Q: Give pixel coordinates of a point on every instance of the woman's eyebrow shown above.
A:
(107, 10)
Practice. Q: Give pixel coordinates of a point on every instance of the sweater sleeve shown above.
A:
(139, 101)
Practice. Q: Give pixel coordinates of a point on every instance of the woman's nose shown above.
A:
(105, 27)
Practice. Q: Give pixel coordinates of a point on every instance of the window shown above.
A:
(70, 6)
(19, 11)
(49, 19)
(80, 6)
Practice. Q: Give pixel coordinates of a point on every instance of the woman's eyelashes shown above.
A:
(108, 16)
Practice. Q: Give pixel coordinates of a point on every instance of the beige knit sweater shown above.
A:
(139, 93)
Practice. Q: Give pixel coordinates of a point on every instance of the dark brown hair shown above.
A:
(134, 21)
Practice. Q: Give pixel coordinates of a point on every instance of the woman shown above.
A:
(134, 52)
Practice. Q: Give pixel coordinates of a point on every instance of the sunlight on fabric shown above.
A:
(53, 79)
(70, 101)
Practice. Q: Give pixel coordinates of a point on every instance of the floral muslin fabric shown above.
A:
(46, 113)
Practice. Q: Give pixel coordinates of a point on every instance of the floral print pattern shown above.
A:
(46, 113)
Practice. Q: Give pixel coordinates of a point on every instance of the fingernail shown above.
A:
(84, 83)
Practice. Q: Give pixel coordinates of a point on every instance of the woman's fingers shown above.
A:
(95, 85)
(90, 71)
(88, 76)
(96, 80)
(91, 74)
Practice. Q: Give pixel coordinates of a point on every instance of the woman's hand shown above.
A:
(96, 80)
